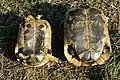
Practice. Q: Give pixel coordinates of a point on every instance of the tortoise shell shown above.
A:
(86, 37)
(34, 42)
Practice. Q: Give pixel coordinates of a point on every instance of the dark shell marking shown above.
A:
(34, 42)
(87, 33)
(31, 44)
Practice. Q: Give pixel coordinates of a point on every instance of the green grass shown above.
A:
(12, 13)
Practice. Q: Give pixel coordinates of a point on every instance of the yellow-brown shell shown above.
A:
(86, 37)
(34, 42)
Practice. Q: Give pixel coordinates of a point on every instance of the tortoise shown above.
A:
(33, 47)
(86, 37)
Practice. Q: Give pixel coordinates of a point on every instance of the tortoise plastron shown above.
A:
(86, 37)
(34, 42)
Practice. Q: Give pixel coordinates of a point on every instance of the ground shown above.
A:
(12, 13)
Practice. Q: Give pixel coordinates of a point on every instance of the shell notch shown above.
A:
(86, 37)
(33, 45)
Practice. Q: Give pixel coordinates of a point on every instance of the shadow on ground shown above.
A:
(9, 24)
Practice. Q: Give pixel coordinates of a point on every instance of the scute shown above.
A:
(87, 33)
(40, 40)
(78, 37)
